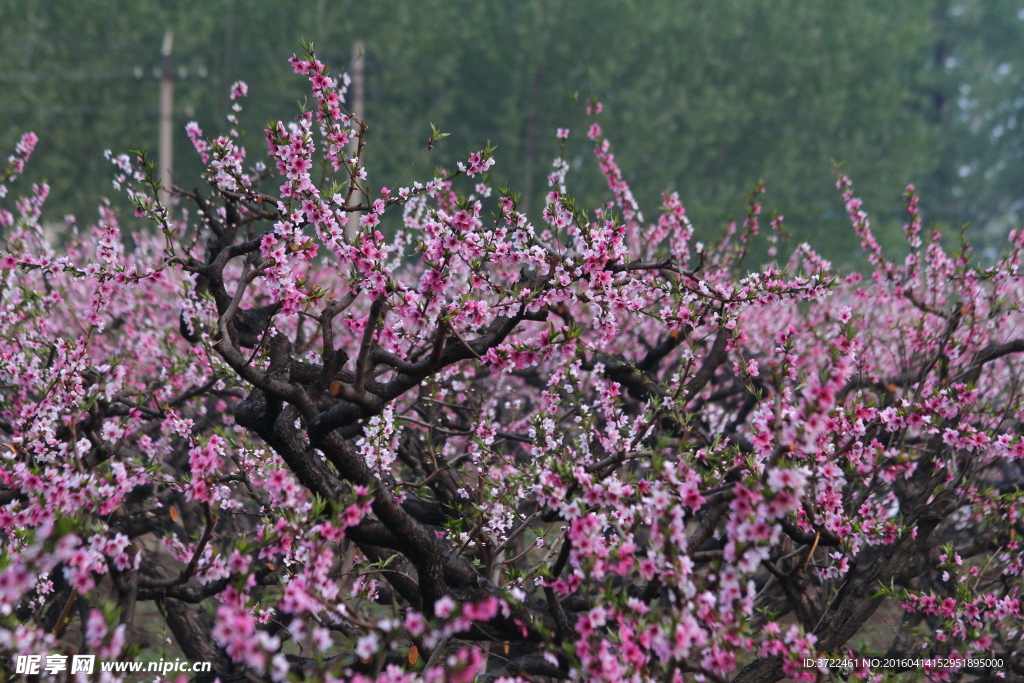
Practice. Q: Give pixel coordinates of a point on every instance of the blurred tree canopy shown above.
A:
(705, 98)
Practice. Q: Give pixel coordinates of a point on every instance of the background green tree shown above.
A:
(704, 98)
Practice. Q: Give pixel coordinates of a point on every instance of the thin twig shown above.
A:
(190, 569)
(810, 553)
(63, 618)
(436, 654)
(464, 342)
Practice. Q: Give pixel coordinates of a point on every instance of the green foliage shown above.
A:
(979, 95)
(703, 98)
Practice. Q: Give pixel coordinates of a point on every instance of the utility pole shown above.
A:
(166, 160)
(358, 82)
(225, 71)
(358, 68)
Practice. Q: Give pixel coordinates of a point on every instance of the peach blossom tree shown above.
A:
(336, 431)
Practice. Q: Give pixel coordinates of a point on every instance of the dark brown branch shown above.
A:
(326, 319)
(716, 356)
(190, 630)
(364, 349)
(858, 598)
(561, 622)
(372, 402)
(425, 366)
(827, 538)
(987, 355)
(535, 665)
(667, 264)
(707, 555)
